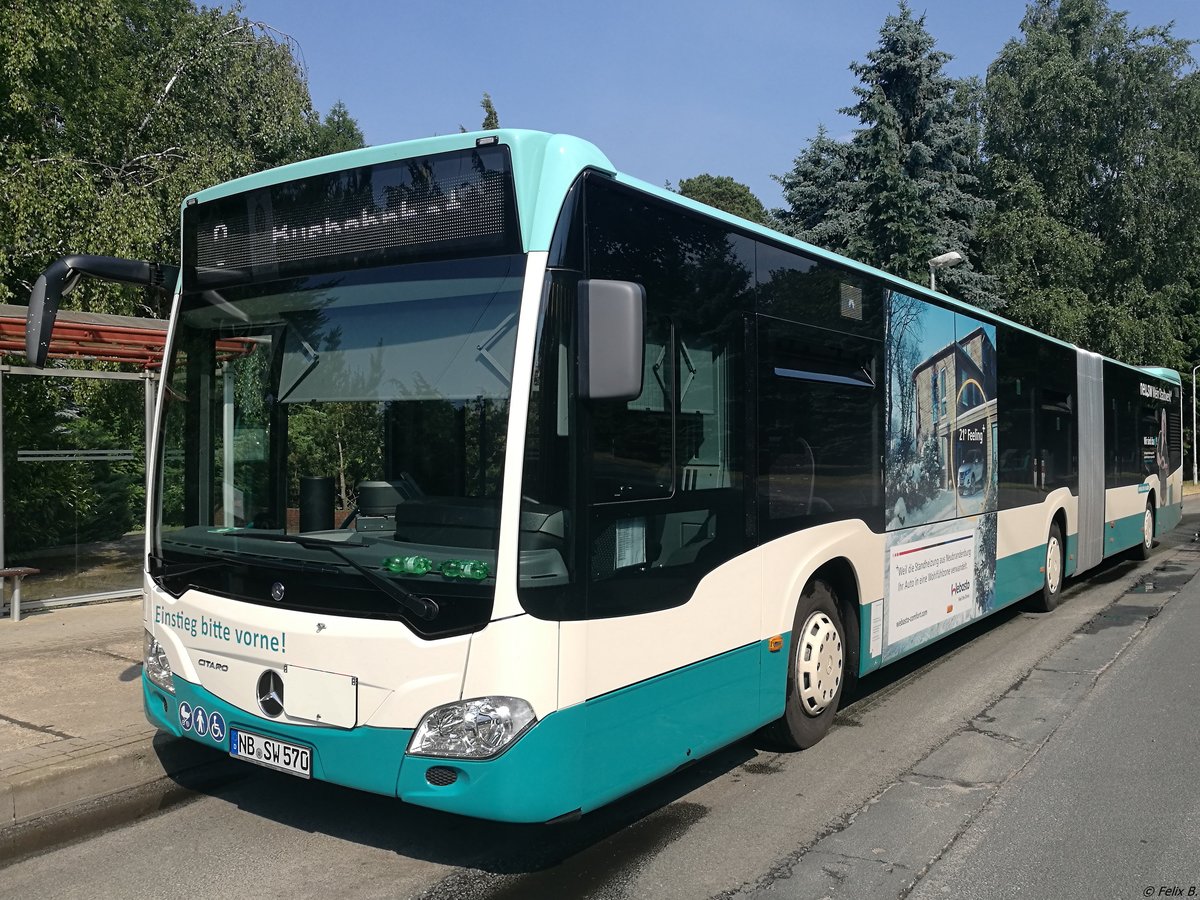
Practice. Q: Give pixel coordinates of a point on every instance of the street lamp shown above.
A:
(945, 261)
(1194, 368)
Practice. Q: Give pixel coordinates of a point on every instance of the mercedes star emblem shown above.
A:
(277, 591)
(270, 693)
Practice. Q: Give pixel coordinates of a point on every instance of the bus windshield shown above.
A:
(364, 413)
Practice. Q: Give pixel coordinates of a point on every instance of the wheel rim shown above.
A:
(818, 663)
(1053, 565)
(1148, 529)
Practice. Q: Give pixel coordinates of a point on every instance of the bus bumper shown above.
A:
(533, 780)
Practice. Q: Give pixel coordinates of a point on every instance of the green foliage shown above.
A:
(120, 108)
(1071, 182)
(491, 121)
(338, 132)
(905, 188)
(1091, 136)
(815, 191)
(1043, 264)
(338, 439)
(724, 193)
(52, 503)
(116, 110)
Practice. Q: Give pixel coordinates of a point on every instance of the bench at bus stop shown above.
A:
(17, 574)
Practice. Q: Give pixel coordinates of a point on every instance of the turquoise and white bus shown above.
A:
(634, 478)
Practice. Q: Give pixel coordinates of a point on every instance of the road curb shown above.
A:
(73, 796)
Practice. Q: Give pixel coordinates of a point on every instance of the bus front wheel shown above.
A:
(818, 672)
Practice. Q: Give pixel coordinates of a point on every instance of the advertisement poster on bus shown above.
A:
(941, 472)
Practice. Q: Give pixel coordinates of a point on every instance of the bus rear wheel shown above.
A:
(1052, 581)
(818, 670)
(1142, 550)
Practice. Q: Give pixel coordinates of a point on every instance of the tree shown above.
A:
(912, 158)
(1090, 143)
(491, 121)
(338, 132)
(116, 110)
(724, 193)
(815, 193)
(905, 187)
(1042, 264)
(120, 108)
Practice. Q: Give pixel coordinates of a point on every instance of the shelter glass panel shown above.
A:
(74, 483)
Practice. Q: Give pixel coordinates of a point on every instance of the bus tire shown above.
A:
(1142, 550)
(1052, 580)
(818, 671)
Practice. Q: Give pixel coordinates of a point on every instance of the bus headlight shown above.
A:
(472, 729)
(158, 667)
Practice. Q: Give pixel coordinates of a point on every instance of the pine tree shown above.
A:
(816, 191)
(912, 157)
(903, 189)
(338, 131)
(491, 121)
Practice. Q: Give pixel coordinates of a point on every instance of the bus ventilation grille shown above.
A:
(441, 776)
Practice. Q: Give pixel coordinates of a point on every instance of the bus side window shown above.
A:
(663, 473)
(819, 421)
(1036, 416)
(632, 441)
(663, 518)
(1174, 435)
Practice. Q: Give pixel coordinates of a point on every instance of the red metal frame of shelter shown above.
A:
(91, 336)
(97, 337)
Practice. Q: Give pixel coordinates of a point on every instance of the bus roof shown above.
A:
(546, 165)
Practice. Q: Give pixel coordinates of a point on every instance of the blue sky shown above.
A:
(667, 90)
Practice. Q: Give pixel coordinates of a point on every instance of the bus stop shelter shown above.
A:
(88, 566)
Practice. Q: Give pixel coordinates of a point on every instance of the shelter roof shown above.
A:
(91, 336)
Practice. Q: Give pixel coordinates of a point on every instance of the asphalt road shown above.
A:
(1111, 806)
(909, 750)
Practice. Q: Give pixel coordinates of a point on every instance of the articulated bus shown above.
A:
(492, 479)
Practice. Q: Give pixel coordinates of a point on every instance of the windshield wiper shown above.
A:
(162, 568)
(421, 606)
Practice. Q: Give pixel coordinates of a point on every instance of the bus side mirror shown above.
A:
(612, 339)
(49, 288)
(62, 276)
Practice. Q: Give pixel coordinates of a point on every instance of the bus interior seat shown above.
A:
(377, 502)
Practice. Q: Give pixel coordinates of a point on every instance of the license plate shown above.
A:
(270, 752)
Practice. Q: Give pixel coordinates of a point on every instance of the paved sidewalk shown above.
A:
(72, 732)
